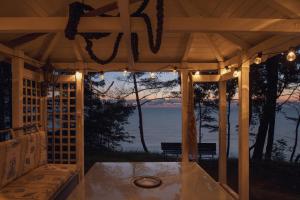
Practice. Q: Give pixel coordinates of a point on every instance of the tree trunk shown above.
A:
(261, 135)
(228, 124)
(200, 121)
(267, 120)
(138, 104)
(296, 139)
(272, 79)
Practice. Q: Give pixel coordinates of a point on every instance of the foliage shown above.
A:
(104, 119)
(278, 152)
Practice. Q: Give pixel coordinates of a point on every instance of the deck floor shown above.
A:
(113, 181)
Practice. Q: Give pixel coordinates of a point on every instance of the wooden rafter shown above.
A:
(50, 47)
(214, 48)
(188, 47)
(273, 44)
(125, 24)
(19, 41)
(281, 6)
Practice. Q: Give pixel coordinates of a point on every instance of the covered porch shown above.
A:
(50, 50)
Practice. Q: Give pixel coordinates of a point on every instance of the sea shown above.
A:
(163, 124)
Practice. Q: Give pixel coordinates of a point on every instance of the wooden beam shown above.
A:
(17, 42)
(125, 24)
(184, 115)
(206, 78)
(7, 51)
(222, 133)
(171, 24)
(50, 47)
(17, 88)
(227, 76)
(244, 129)
(141, 66)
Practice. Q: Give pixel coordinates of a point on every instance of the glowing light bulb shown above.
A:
(258, 58)
(125, 72)
(236, 73)
(101, 76)
(291, 56)
(197, 73)
(152, 75)
(78, 75)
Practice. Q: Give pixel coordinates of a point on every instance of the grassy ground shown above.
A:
(268, 180)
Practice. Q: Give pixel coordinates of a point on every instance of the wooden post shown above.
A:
(184, 115)
(222, 133)
(17, 88)
(244, 129)
(79, 77)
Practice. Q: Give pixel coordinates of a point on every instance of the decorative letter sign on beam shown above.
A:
(172, 24)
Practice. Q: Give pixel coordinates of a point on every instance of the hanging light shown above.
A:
(236, 73)
(125, 72)
(174, 70)
(291, 56)
(78, 75)
(101, 76)
(197, 73)
(258, 58)
(152, 75)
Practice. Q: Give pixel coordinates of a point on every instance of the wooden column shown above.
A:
(244, 129)
(80, 121)
(222, 133)
(184, 115)
(17, 68)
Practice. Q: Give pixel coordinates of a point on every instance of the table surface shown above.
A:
(113, 181)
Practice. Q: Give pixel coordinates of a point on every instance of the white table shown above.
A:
(113, 181)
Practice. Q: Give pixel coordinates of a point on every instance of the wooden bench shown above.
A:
(25, 173)
(174, 148)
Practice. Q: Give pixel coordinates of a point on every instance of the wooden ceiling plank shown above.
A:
(280, 7)
(213, 47)
(126, 28)
(51, 46)
(192, 11)
(77, 51)
(188, 47)
(36, 8)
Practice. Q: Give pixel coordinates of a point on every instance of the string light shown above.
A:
(78, 75)
(197, 73)
(236, 73)
(152, 75)
(291, 56)
(175, 70)
(101, 75)
(125, 72)
(258, 58)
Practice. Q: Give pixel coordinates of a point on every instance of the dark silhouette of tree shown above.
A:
(230, 92)
(268, 81)
(104, 119)
(206, 105)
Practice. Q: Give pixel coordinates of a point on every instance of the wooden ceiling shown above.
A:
(198, 32)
